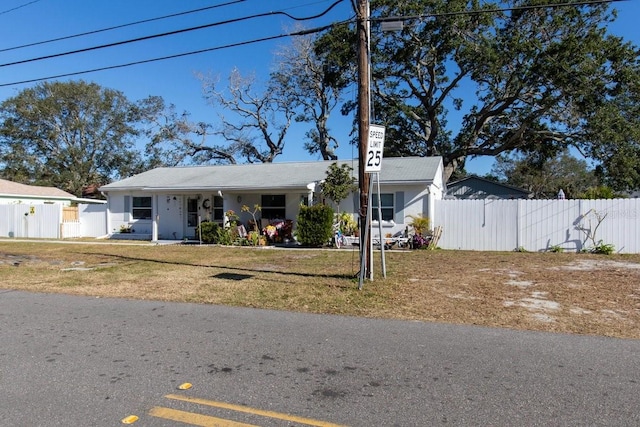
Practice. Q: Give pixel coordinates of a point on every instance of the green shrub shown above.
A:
(603, 248)
(556, 249)
(314, 225)
(226, 236)
(208, 232)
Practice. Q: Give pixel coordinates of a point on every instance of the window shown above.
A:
(218, 210)
(273, 206)
(386, 205)
(141, 208)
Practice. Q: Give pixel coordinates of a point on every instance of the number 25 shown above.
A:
(374, 158)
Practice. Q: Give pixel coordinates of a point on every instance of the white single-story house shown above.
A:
(23, 194)
(169, 202)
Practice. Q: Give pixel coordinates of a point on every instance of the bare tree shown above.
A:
(175, 140)
(301, 75)
(263, 119)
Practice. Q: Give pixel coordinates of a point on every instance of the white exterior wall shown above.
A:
(171, 214)
(119, 216)
(416, 201)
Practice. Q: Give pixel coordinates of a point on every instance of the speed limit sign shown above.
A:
(375, 146)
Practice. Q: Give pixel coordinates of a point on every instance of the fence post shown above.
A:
(518, 222)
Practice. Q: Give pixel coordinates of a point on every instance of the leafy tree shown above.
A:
(522, 78)
(544, 177)
(599, 192)
(71, 134)
(339, 183)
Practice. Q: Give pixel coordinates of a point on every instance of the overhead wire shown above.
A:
(179, 55)
(18, 7)
(117, 27)
(170, 33)
(297, 33)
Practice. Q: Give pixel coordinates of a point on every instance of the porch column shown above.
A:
(156, 219)
(312, 188)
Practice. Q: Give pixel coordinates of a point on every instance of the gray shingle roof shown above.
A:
(16, 189)
(271, 175)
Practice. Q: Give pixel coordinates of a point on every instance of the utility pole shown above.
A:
(364, 105)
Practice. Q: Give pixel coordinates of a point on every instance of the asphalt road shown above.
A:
(79, 361)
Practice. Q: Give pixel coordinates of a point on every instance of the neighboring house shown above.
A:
(169, 203)
(474, 187)
(14, 193)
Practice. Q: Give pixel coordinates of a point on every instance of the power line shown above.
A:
(18, 7)
(144, 21)
(244, 43)
(299, 33)
(170, 33)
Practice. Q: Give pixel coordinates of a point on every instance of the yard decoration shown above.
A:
(348, 225)
(256, 208)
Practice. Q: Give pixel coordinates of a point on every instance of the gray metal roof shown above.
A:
(294, 175)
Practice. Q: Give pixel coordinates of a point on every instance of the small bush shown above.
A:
(556, 249)
(208, 232)
(315, 225)
(603, 248)
(419, 242)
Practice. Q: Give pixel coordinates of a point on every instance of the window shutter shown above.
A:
(399, 207)
(127, 207)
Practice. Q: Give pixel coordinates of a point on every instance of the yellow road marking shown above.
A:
(130, 419)
(194, 419)
(248, 410)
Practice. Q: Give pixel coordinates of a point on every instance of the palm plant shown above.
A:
(419, 223)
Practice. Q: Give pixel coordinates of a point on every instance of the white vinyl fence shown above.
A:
(46, 221)
(538, 225)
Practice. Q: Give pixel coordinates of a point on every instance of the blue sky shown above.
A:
(27, 21)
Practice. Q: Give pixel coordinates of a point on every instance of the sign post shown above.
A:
(373, 165)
